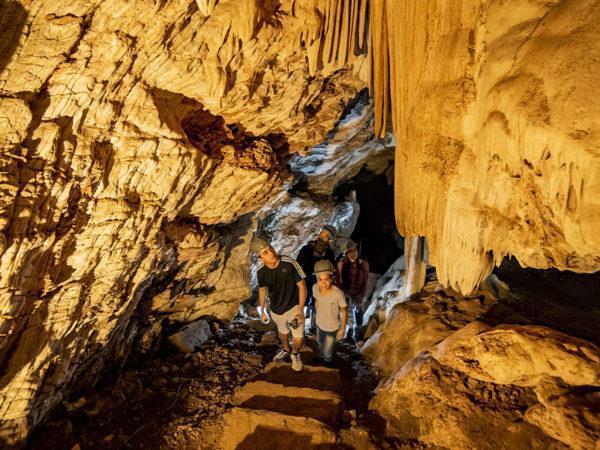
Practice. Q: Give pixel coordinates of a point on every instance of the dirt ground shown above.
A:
(173, 401)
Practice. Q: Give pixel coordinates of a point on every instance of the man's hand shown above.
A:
(300, 316)
(263, 317)
(340, 335)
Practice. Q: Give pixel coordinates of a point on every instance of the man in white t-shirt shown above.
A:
(331, 310)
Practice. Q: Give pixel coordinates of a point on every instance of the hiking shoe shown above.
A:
(281, 355)
(296, 362)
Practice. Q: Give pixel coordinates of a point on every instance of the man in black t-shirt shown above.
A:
(282, 278)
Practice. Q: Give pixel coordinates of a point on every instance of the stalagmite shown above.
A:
(415, 263)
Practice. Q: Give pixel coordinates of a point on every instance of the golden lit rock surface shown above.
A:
(414, 326)
(494, 108)
(454, 381)
(120, 120)
(139, 137)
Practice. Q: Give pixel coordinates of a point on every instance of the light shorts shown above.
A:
(283, 322)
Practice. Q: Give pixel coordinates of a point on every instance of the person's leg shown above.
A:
(358, 320)
(321, 341)
(282, 329)
(297, 343)
(350, 325)
(297, 340)
(328, 345)
(285, 341)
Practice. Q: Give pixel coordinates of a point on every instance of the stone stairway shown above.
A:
(286, 410)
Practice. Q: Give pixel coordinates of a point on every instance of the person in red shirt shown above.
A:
(352, 278)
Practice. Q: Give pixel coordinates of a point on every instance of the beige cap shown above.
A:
(257, 244)
(350, 245)
(323, 266)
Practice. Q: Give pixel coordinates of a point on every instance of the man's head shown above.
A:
(351, 251)
(327, 234)
(260, 246)
(324, 274)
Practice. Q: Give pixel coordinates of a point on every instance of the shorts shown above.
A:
(283, 322)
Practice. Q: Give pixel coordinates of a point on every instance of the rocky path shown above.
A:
(285, 410)
(311, 409)
(225, 395)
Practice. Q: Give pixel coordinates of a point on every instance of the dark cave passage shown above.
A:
(565, 301)
(375, 231)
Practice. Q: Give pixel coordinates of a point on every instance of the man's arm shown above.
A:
(342, 330)
(262, 297)
(365, 270)
(301, 298)
(338, 278)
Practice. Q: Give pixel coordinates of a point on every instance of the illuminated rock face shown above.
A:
(453, 381)
(495, 114)
(131, 132)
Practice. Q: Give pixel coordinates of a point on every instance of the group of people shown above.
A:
(332, 291)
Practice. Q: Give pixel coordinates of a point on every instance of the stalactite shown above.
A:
(475, 91)
(343, 32)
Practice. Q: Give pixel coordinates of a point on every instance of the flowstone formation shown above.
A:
(494, 111)
(136, 137)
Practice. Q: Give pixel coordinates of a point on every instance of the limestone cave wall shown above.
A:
(136, 137)
(493, 104)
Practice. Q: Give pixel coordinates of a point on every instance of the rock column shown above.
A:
(416, 263)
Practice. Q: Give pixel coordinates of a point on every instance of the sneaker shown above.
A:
(281, 355)
(296, 362)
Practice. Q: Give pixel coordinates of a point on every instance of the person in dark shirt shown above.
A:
(353, 276)
(309, 254)
(281, 279)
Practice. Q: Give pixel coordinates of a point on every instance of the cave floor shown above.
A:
(177, 401)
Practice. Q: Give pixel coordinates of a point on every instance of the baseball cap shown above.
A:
(323, 266)
(257, 244)
(330, 230)
(350, 245)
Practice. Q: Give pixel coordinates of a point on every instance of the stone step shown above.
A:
(251, 429)
(313, 377)
(324, 406)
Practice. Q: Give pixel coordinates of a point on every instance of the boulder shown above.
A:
(442, 407)
(520, 355)
(416, 325)
(191, 336)
(388, 290)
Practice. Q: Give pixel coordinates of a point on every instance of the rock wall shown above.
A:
(494, 111)
(136, 135)
(472, 372)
